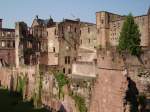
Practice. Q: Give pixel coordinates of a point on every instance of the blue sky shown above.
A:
(25, 10)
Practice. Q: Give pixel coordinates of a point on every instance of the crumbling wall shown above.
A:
(9, 77)
(109, 91)
(120, 82)
(111, 84)
(41, 88)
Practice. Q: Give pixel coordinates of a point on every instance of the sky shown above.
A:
(12, 11)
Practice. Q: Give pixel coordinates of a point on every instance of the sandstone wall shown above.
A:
(115, 28)
(49, 91)
(110, 25)
(111, 84)
(84, 69)
(88, 36)
(109, 91)
(53, 45)
(9, 77)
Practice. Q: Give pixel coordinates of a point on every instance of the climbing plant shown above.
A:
(80, 101)
(62, 81)
(129, 40)
(21, 84)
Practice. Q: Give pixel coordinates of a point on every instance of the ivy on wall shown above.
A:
(80, 101)
(21, 84)
(62, 81)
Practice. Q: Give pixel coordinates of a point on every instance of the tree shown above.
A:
(129, 40)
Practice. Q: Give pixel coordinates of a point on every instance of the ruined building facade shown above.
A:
(82, 51)
(57, 44)
(48, 43)
(109, 26)
(62, 45)
(7, 46)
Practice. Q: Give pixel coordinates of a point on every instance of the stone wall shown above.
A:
(8, 57)
(109, 91)
(109, 27)
(69, 31)
(88, 36)
(111, 84)
(116, 26)
(117, 75)
(53, 45)
(84, 69)
(37, 85)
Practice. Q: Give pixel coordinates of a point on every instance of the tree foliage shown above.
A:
(129, 40)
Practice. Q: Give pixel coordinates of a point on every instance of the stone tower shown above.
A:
(20, 28)
(102, 24)
(17, 43)
(0, 23)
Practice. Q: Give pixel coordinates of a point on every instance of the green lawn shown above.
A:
(12, 102)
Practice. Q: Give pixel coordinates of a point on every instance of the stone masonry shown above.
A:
(84, 52)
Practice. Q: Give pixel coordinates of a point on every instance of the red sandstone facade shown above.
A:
(7, 46)
(70, 46)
